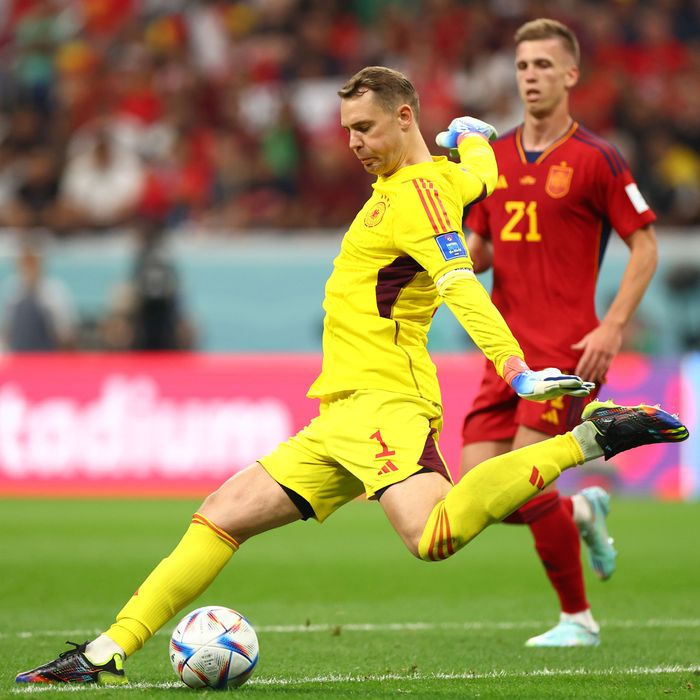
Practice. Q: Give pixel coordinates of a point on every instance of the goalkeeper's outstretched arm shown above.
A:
(473, 308)
(464, 294)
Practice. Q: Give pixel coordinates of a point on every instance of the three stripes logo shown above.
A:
(536, 479)
(389, 466)
(433, 206)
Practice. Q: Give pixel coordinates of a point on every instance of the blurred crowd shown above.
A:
(144, 312)
(221, 115)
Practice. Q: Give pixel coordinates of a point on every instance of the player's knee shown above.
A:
(417, 547)
(212, 505)
(439, 551)
(423, 553)
(436, 548)
(437, 541)
(413, 548)
(216, 508)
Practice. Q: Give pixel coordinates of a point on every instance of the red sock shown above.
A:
(568, 504)
(558, 545)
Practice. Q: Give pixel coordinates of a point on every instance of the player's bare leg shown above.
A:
(247, 504)
(497, 487)
(487, 494)
(409, 503)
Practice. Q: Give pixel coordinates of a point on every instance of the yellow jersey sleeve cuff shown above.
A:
(477, 156)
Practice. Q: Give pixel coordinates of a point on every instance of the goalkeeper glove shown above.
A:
(461, 127)
(543, 385)
(549, 384)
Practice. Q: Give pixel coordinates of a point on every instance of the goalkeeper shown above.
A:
(380, 409)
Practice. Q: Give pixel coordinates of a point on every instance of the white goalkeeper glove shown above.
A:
(461, 127)
(549, 384)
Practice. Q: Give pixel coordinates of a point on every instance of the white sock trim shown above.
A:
(102, 649)
(584, 434)
(582, 511)
(583, 618)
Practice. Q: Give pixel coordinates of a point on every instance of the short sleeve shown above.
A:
(621, 201)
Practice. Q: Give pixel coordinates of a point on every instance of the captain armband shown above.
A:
(452, 277)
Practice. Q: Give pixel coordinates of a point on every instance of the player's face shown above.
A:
(545, 71)
(375, 135)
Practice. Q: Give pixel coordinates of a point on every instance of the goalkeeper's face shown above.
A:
(546, 72)
(377, 136)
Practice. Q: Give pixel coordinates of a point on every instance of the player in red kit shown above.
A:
(561, 191)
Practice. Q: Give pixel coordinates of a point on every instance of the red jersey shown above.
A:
(549, 221)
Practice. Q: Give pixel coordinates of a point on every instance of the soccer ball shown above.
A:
(214, 647)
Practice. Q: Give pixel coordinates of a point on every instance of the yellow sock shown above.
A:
(176, 581)
(493, 490)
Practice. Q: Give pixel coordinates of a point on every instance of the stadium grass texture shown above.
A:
(343, 611)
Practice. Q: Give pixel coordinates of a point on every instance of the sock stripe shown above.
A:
(448, 536)
(199, 519)
(436, 529)
(441, 541)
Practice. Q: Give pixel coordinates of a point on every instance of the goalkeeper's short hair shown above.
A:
(391, 88)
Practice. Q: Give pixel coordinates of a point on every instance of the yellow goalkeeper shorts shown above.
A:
(361, 441)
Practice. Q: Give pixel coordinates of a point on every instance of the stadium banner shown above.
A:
(179, 424)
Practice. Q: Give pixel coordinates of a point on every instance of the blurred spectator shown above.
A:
(209, 38)
(232, 178)
(25, 130)
(36, 34)
(102, 185)
(147, 313)
(37, 311)
(177, 79)
(35, 203)
(115, 331)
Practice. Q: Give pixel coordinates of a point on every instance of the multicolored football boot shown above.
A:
(620, 428)
(73, 666)
(601, 553)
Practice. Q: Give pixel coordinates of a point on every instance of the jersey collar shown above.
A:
(409, 171)
(552, 146)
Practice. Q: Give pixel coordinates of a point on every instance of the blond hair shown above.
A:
(544, 28)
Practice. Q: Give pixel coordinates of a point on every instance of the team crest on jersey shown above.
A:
(375, 214)
(559, 180)
(451, 245)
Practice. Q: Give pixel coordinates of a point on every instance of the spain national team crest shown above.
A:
(375, 214)
(559, 180)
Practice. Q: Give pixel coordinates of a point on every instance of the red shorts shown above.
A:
(497, 411)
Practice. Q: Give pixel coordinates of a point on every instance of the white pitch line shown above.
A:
(404, 678)
(390, 627)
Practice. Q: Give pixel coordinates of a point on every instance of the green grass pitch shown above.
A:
(342, 610)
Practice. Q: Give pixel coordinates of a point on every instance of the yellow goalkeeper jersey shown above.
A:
(381, 296)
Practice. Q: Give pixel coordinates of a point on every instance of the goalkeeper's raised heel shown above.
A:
(73, 666)
(620, 428)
